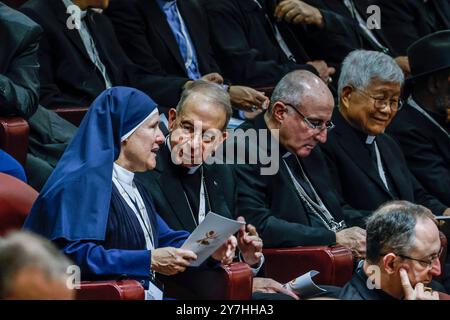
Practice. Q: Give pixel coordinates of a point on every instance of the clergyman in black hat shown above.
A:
(422, 126)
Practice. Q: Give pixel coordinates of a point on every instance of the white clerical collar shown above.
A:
(370, 139)
(123, 175)
(69, 3)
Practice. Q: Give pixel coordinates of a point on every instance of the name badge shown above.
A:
(155, 291)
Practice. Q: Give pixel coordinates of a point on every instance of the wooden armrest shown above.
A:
(72, 114)
(14, 133)
(267, 90)
(110, 290)
(335, 263)
(232, 282)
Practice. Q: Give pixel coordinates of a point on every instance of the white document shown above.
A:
(305, 286)
(209, 236)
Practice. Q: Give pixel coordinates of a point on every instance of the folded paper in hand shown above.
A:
(209, 236)
(304, 286)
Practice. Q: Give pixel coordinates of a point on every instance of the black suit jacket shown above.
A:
(353, 35)
(142, 29)
(19, 66)
(69, 78)
(271, 203)
(356, 177)
(356, 289)
(244, 45)
(405, 21)
(426, 149)
(164, 185)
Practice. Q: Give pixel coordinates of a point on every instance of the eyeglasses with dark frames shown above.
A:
(382, 103)
(424, 263)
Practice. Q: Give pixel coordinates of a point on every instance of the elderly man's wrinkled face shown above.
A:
(296, 133)
(422, 263)
(138, 152)
(370, 110)
(197, 131)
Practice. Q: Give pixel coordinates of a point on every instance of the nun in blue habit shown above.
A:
(92, 208)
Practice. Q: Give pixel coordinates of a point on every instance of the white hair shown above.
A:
(360, 67)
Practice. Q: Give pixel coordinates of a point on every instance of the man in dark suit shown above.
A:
(172, 38)
(185, 189)
(406, 21)
(253, 48)
(19, 94)
(422, 127)
(359, 34)
(283, 187)
(367, 166)
(80, 56)
(19, 66)
(403, 250)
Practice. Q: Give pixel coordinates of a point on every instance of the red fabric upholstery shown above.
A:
(14, 3)
(267, 90)
(73, 115)
(14, 137)
(443, 256)
(335, 264)
(233, 282)
(443, 296)
(111, 290)
(16, 199)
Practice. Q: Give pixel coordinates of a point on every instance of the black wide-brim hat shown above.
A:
(429, 54)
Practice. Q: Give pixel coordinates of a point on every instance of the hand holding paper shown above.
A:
(170, 261)
(213, 237)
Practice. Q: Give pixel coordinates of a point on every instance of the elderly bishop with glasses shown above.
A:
(294, 205)
(367, 165)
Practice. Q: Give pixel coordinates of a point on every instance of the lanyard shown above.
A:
(148, 233)
(362, 24)
(202, 201)
(276, 32)
(380, 166)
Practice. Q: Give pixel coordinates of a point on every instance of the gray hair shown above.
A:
(22, 249)
(391, 228)
(212, 91)
(360, 67)
(291, 88)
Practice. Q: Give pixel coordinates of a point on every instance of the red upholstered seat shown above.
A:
(14, 137)
(14, 3)
(73, 115)
(335, 264)
(16, 199)
(443, 256)
(111, 290)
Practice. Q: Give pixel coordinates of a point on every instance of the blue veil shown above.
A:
(74, 203)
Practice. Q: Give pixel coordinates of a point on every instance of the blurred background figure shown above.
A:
(31, 268)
